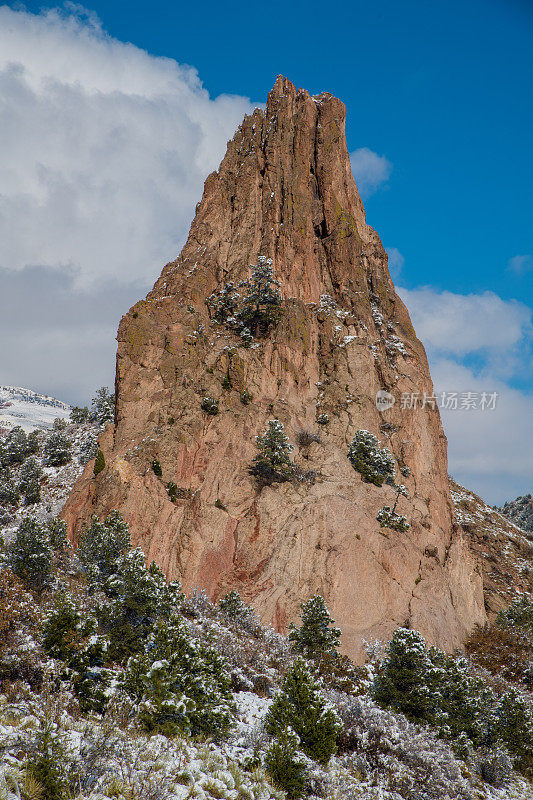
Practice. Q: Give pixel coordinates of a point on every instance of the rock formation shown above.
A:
(285, 190)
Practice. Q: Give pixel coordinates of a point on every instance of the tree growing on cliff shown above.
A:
(273, 462)
(375, 463)
(300, 707)
(262, 300)
(317, 634)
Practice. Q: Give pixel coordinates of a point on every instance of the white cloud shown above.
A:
(370, 170)
(104, 149)
(480, 343)
(460, 324)
(521, 264)
(103, 153)
(395, 260)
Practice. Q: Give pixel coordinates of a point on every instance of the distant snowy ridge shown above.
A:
(29, 409)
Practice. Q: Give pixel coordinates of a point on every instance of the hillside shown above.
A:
(78, 630)
(519, 511)
(29, 409)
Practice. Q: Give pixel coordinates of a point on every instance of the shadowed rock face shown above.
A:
(285, 190)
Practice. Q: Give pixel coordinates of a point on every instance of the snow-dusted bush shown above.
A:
(518, 615)
(9, 491)
(103, 406)
(58, 449)
(101, 545)
(73, 640)
(273, 462)
(29, 481)
(388, 518)
(317, 634)
(235, 610)
(385, 750)
(30, 554)
(137, 596)
(209, 405)
(88, 448)
(375, 463)
(179, 684)
(15, 446)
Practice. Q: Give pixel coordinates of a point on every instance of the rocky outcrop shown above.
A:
(285, 190)
(520, 511)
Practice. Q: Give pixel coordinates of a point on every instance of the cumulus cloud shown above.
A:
(104, 148)
(103, 153)
(474, 323)
(520, 264)
(370, 170)
(481, 343)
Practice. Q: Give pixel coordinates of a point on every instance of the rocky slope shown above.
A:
(503, 550)
(520, 511)
(285, 190)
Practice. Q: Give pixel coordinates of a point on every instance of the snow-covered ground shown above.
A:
(30, 410)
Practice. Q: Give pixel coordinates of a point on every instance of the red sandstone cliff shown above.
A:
(285, 190)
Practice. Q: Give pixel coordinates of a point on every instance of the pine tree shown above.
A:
(273, 463)
(375, 464)
(29, 482)
(180, 685)
(404, 682)
(101, 545)
(30, 554)
(16, 445)
(103, 406)
(33, 441)
(74, 640)
(519, 615)
(235, 609)
(513, 725)
(138, 596)
(57, 450)
(300, 706)
(317, 634)
(79, 415)
(9, 493)
(285, 766)
(57, 531)
(225, 304)
(262, 301)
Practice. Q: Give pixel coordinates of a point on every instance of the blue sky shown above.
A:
(439, 122)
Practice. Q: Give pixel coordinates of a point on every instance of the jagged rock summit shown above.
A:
(285, 190)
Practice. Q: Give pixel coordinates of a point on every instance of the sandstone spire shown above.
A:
(285, 190)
